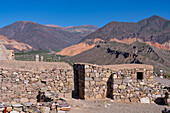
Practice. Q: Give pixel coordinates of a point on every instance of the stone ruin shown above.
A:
(20, 85)
(6, 54)
(126, 83)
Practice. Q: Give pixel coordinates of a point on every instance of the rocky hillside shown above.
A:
(154, 29)
(83, 30)
(80, 47)
(39, 36)
(12, 44)
(121, 53)
(90, 43)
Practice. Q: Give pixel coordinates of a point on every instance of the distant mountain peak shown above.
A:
(154, 28)
(156, 17)
(21, 21)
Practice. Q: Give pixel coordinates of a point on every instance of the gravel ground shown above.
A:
(162, 80)
(109, 106)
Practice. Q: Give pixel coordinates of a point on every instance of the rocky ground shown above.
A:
(109, 106)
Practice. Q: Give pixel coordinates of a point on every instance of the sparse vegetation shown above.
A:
(48, 56)
(167, 75)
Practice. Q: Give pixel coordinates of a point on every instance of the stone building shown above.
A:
(6, 54)
(113, 81)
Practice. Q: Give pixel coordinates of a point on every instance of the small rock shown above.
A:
(44, 109)
(14, 112)
(122, 87)
(9, 109)
(26, 81)
(24, 100)
(145, 100)
(17, 105)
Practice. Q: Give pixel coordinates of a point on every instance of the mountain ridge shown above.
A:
(39, 36)
(121, 53)
(150, 29)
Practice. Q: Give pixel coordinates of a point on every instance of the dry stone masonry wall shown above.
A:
(122, 82)
(22, 86)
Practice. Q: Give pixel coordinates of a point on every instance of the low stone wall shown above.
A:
(22, 86)
(121, 84)
(144, 92)
(41, 107)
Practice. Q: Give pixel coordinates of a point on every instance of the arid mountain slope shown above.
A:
(153, 29)
(12, 44)
(39, 36)
(83, 30)
(78, 48)
(90, 43)
(120, 53)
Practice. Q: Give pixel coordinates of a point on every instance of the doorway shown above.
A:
(79, 81)
(139, 75)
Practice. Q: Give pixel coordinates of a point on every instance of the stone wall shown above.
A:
(115, 81)
(18, 86)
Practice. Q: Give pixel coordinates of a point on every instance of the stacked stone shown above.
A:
(96, 82)
(138, 92)
(132, 73)
(30, 108)
(23, 86)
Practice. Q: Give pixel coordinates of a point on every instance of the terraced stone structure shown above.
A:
(127, 82)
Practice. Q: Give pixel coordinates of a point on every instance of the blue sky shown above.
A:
(81, 12)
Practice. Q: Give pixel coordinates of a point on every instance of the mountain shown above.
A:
(83, 30)
(90, 43)
(12, 44)
(78, 48)
(121, 53)
(154, 29)
(39, 36)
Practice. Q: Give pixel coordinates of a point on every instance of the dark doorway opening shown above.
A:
(79, 81)
(139, 75)
(109, 93)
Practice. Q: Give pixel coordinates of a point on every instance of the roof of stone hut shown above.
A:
(120, 66)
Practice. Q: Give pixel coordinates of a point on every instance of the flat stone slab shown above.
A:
(145, 100)
(17, 105)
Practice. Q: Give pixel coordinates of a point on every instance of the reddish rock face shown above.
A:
(12, 44)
